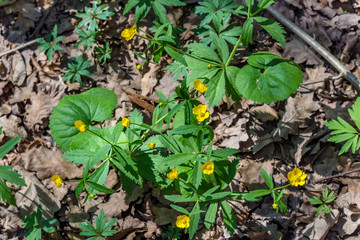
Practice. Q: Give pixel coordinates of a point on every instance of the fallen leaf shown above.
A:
(18, 68)
(116, 205)
(264, 113)
(296, 49)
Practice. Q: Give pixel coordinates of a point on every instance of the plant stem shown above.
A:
(278, 188)
(100, 137)
(233, 51)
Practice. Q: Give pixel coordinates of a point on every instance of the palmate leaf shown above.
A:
(273, 28)
(343, 131)
(97, 104)
(268, 78)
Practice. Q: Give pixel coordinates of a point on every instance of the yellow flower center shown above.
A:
(275, 206)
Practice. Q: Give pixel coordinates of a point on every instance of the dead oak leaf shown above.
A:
(42, 103)
(47, 162)
(297, 50)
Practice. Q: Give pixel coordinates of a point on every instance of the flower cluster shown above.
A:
(200, 112)
(129, 33)
(183, 221)
(57, 180)
(173, 174)
(296, 177)
(207, 168)
(80, 125)
(199, 86)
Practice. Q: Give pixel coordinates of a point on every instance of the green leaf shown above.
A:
(194, 220)
(175, 160)
(11, 176)
(97, 104)
(268, 78)
(314, 200)
(5, 194)
(247, 32)
(224, 153)
(180, 198)
(319, 210)
(273, 28)
(221, 47)
(99, 187)
(228, 216)
(211, 215)
(268, 179)
(216, 89)
(196, 176)
(4, 149)
(180, 209)
(203, 51)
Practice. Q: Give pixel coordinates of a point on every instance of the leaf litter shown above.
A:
(275, 137)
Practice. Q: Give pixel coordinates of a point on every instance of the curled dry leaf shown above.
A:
(18, 68)
(116, 205)
(11, 126)
(265, 113)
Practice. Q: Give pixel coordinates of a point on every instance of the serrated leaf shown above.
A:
(180, 209)
(273, 28)
(99, 187)
(196, 176)
(180, 198)
(279, 79)
(211, 215)
(5, 194)
(216, 89)
(175, 160)
(247, 32)
(228, 216)
(319, 210)
(97, 104)
(194, 220)
(203, 51)
(4, 149)
(11, 176)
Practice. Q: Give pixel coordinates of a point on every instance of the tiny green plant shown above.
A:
(86, 38)
(6, 174)
(36, 224)
(173, 233)
(326, 199)
(103, 53)
(76, 69)
(92, 15)
(49, 44)
(342, 131)
(101, 229)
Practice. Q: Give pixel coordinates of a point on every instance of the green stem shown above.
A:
(249, 9)
(233, 51)
(100, 137)
(191, 187)
(278, 188)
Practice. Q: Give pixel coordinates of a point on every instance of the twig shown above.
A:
(326, 79)
(41, 23)
(18, 48)
(316, 46)
(336, 175)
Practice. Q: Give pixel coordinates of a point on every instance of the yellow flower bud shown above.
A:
(152, 145)
(57, 180)
(209, 66)
(275, 206)
(125, 122)
(207, 168)
(138, 67)
(80, 125)
(183, 221)
(173, 174)
(92, 195)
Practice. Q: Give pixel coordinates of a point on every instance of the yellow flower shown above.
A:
(80, 125)
(92, 195)
(173, 174)
(275, 206)
(152, 145)
(207, 168)
(183, 221)
(129, 33)
(200, 112)
(125, 122)
(199, 109)
(57, 180)
(209, 66)
(160, 104)
(296, 177)
(138, 67)
(199, 86)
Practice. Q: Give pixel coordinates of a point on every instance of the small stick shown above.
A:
(18, 48)
(336, 175)
(326, 79)
(41, 23)
(317, 47)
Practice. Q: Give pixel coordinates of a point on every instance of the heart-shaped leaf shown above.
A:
(97, 104)
(268, 78)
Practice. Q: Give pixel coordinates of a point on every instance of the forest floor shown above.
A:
(275, 137)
